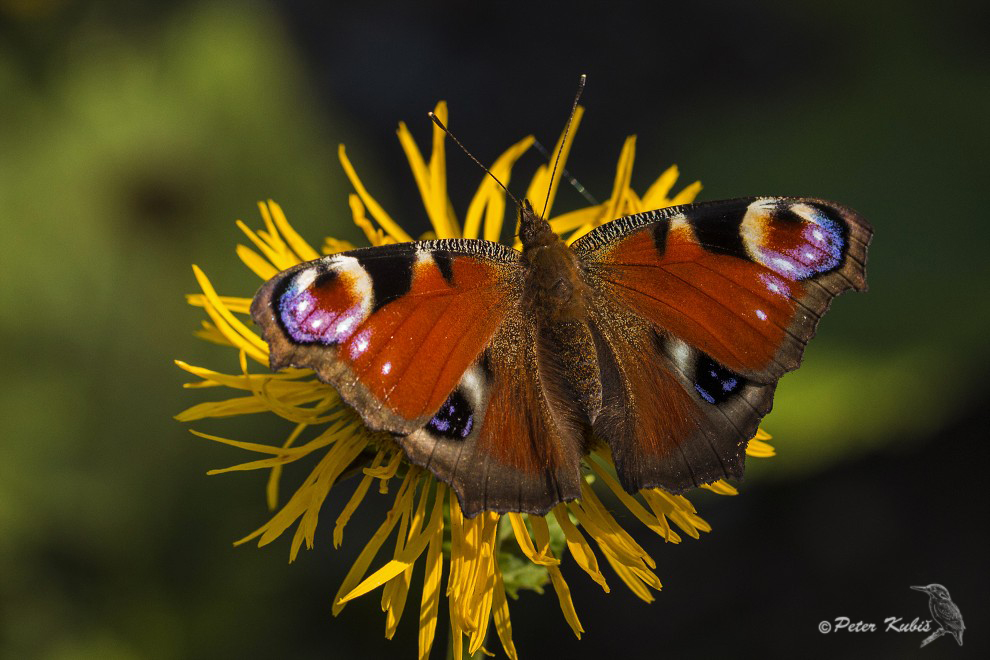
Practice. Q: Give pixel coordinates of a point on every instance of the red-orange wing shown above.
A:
(698, 311)
(393, 328)
(745, 281)
(503, 440)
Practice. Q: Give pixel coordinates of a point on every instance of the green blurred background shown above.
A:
(132, 135)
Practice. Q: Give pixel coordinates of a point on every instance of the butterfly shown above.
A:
(660, 335)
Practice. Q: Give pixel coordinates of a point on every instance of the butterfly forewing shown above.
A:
(393, 328)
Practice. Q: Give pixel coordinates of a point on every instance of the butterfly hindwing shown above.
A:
(698, 310)
(503, 441)
(392, 328)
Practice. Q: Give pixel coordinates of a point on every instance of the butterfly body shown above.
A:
(659, 335)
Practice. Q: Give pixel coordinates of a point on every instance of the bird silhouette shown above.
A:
(945, 613)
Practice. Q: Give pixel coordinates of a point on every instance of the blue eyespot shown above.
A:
(714, 382)
(455, 419)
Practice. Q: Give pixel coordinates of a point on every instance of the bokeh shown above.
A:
(133, 135)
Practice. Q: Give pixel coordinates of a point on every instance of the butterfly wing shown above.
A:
(429, 341)
(698, 311)
(392, 328)
(503, 441)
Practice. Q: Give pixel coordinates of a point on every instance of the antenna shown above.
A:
(563, 140)
(446, 130)
(564, 174)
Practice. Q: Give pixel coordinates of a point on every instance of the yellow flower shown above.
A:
(490, 556)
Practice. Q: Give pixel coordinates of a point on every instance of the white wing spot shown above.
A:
(760, 314)
(680, 353)
(782, 263)
(344, 325)
(304, 278)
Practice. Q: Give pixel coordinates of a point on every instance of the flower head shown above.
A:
(489, 557)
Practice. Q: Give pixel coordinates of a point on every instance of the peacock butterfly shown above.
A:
(661, 334)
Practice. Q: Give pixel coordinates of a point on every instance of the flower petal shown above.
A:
(538, 189)
(500, 608)
(231, 328)
(687, 195)
(431, 586)
(490, 197)
(656, 194)
(377, 212)
(541, 557)
(406, 558)
(403, 501)
(579, 547)
(302, 249)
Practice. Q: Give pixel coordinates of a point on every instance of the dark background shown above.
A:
(133, 134)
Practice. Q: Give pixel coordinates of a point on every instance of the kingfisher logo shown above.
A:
(946, 620)
(945, 614)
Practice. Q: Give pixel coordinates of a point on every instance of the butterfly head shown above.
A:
(534, 231)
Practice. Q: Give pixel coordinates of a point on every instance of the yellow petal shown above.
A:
(303, 250)
(271, 489)
(579, 547)
(526, 543)
(405, 559)
(227, 323)
(356, 498)
(656, 524)
(564, 597)
(687, 195)
(623, 175)
(628, 578)
(721, 487)
(759, 449)
(431, 587)
(377, 212)
(403, 500)
(500, 607)
(437, 205)
(490, 198)
(260, 266)
(541, 183)
(656, 194)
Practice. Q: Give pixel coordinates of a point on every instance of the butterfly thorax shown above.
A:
(554, 287)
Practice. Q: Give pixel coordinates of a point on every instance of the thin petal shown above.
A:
(238, 333)
(656, 524)
(405, 559)
(271, 488)
(431, 586)
(720, 487)
(564, 597)
(302, 249)
(356, 498)
(377, 212)
(490, 198)
(258, 264)
(526, 543)
(656, 194)
(537, 192)
(623, 176)
(579, 547)
(500, 607)
(687, 195)
(439, 207)
(403, 499)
